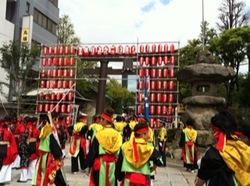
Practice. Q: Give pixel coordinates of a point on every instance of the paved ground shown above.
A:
(173, 175)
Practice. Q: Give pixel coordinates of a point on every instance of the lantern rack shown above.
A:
(57, 82)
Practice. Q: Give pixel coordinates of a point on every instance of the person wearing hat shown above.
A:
(188, 146)
(77, 147)
(103, 152)
(94, 127)
(132, 167)
(227, 162)
(8, 150)
(162, 142)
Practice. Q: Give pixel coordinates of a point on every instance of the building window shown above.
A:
(28, 7)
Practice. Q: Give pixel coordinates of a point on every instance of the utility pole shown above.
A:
(203, 27)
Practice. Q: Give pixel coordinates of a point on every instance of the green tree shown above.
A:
(66, 33)
(121, 96)
(17, 60)
(232, 15)
(243, 96)
(231, 49)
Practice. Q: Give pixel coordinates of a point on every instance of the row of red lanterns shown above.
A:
(157, 98)
(156, 85)
(63, 108)
(57, 84)
(157, 48)
(58, 50)
(153, 61)
(58, 61)
(156, 109)
(159, 73)
(56, 96)
(58, 73)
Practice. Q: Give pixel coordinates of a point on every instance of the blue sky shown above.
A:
(131, 21)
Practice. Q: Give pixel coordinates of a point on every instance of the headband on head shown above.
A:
(106, 117)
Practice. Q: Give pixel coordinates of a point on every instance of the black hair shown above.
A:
(190, 122)
(226, 122)
(118, 118)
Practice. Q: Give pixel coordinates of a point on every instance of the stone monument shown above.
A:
(204, 77)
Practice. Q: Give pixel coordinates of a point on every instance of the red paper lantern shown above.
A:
(164, 85)
(71, 73)
(63, 108)
(55, 61)
(65, 72)
(152, 97)
(40, 108)
(164, 98)
(59, 84)
(44, 62)
(170, 98)
(158, 97)
(93, 51)
(57, 109)
(113, 50)
(171, 72)
(70, 96)
(50, 51)
(64, 96)
(66, 50)
(146, 72)
(72, 61)
(45, 51)
(166, 48)
(152, 85)
(43, 73)
(159, 73)
(171, 85)
(147, 61)
(139, 109)
(159, 48)
(120, 50)
(51, 107)
(154, 48)
(165, 73)
(171, 60)
(159, 60)
(127, 50)
(165, 60)
(48, 97)
(53, 84)
(80, 51)
(133, 50)
(164, 110)
(140, 85)
(41, 96)
(53, 96)
(139, 97)
(152, 122)
(61, 48)
(159, 85)
(42, 84)
(141, 61)
(172, 48)
(60, 61)
(56, 50)
(152, 109)
(58, 96)
(147, 48)
(152, 73)
(71, 83)
(72, 50)
(65, 84)
(46, 107)
(50, 61)
(106, 50)
(69, 108)
(66, 62)
(68, 119)
(153, 61)
(158, 109)
(47, 84)
(141, 73)
(54, 73)
(99, 50)
(141, 48)
(59, 73)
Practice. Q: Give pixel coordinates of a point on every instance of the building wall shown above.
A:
(6, 35)
(11, 21)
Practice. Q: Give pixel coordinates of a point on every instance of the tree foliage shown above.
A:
(121, 96)
(17, 60)
(232, 15)
(66, 33)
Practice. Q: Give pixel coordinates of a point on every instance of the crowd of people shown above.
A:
(119, 151)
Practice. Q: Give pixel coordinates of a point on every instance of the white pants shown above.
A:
(27, 173)
(16, 163)
(5, 173)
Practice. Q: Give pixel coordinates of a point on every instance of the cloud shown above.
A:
(148, 7)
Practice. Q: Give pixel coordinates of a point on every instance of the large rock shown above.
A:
(205, 72)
